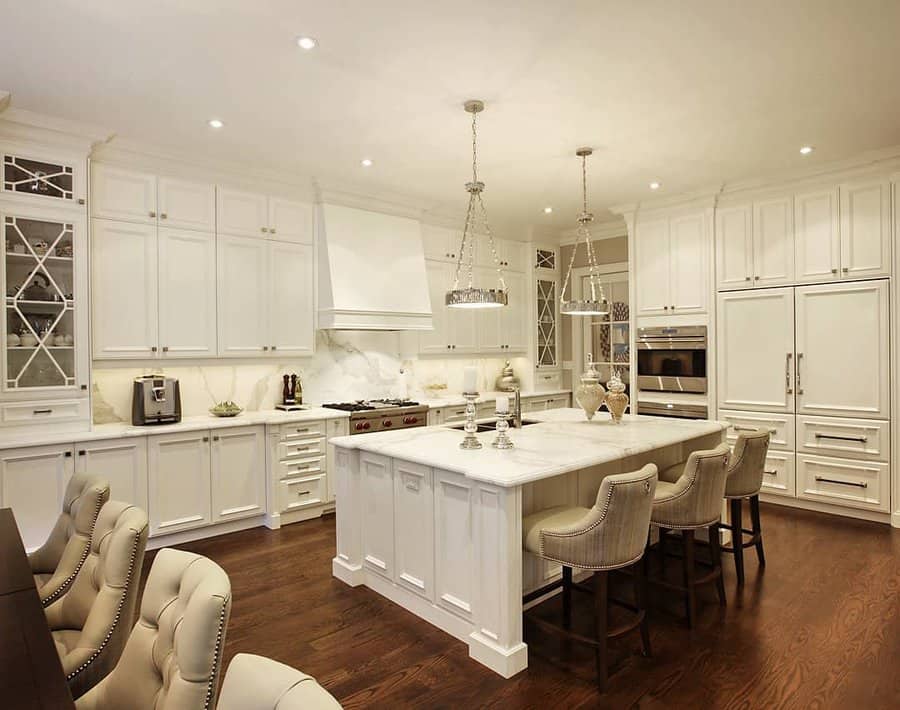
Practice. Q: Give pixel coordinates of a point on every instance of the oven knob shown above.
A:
(367, 425)
(386, 423)
(410, 420)
(360, 426)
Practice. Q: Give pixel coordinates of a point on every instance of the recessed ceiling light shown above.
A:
(215, 123)
(806, 150)
(654, 185)
(548, 210)
(366, 163)
(307, 42)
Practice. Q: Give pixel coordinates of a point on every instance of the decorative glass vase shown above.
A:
(616, 399)
(590, 393)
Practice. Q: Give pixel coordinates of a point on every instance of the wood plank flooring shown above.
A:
(820, 628)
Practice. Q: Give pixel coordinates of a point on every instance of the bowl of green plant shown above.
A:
(226, 409)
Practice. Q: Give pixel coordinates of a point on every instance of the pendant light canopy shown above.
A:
(469, 296)
(597, 304)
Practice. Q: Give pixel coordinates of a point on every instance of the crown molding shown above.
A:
(387, 202)
(29, 126)
(610, 229)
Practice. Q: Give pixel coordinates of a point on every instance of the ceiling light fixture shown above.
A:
(597, 304)
(469, 296)
(806, 150)
(654, 185)
(215, 123)
(548, 210)
(366, 163)
(307, 43)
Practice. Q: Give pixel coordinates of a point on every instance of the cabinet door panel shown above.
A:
(490, 321)
(652, 268)
(773, 242)
(845, 482)
(514, 255)
(187, 205)
(453, 538)
(291, 316)
(734, 247)
(238, 472)
(33, 483)
(514, 315)
(755, 353)
(439, 243)
(187, 293)
(124, 295)
(437, 341)
(689, 281)
(241, 213)
(242, 296)
(843, 329)
(817, 235)
(779, 475)
(414, 535)
(123, 195)
(122, 462)
(290, 221)
(377, 489)
(866, 229)
(179, 482)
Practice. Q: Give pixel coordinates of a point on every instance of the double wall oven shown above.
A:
(671, 363)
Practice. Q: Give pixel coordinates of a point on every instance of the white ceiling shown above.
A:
(691, 93)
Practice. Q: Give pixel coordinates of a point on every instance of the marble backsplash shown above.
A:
(346, 366)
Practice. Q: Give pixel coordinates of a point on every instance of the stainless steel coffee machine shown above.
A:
(156, 400)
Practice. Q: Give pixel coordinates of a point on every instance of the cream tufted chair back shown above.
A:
(257, 683)
(745, 470)
(695, 499)
(91, 621)
(171, 660)
(58, 560)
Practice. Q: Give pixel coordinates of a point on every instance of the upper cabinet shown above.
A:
(755, 244)
(186, 205)
(866, 229)
(734, 246)
(248, 214)
(442, 244)
(817, 247)
(41, 177)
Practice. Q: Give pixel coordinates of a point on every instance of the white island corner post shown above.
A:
(438, 530)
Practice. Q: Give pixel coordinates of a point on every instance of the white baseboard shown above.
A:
(831, 509)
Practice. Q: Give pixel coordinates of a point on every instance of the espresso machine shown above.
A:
(156, 399)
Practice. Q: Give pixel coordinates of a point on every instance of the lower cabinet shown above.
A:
(778, 474)
(414, 527)
(122, 462)
(33, 483)
(238, 473)
(376, 483)
(855, 484)
(453, 543)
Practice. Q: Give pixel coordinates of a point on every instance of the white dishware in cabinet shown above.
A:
(414, 528)
(779, 476)
(845, 438)
(121, 462)
(33, 483)
(845, 482)
(179, 482)
(238, 463)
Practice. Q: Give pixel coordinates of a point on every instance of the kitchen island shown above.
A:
(438, 529)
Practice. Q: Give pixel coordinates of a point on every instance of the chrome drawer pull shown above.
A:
(738, 427)
(787, 373)
(855, 484)
(304, 493)
(42, 411)
(799, 384)
(770, 473)
(860, 439)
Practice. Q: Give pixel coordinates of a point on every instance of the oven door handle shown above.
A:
(667, 344)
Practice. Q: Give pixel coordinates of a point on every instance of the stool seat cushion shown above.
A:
(671, 473)
(558, 517)
(665, 491)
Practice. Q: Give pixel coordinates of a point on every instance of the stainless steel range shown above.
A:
(367, 416)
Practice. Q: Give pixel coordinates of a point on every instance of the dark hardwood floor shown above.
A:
(820, 628)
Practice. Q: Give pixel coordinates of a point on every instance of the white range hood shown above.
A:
(371, 271)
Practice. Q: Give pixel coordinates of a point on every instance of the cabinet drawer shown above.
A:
(548, 380)
(558, 402)
(55, 411)
(298, 493)
(301, 430)
(856, 484)
(312, 446)
(781, 427)
(455, 414)
(778, 475)
(291, 468)
(850, 438)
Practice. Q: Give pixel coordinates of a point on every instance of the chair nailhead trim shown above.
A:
(217, 656)
(67, 582)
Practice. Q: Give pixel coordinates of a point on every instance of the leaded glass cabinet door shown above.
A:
(42, 178)
(40, 281)
(547, 355)
(608, 337)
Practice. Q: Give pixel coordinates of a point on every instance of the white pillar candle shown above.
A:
(470, 380)
(503, 404)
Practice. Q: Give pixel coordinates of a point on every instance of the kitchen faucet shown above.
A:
(517, 409)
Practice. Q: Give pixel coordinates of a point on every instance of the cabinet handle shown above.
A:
(673, 306)
(860, 439)
(453, 346)
(80, 200)
(738, 427)
(273, 348)
(412, 485)
(756, 278)
(272, 230)
(846, 269)
(303, 493)
(787, 373)
(152, 213)
(68, 454)
(164, 216)
(300, 431)
(799, 384)
(82, 452)
(746, 278)
(834, 271)
(855, 484)
(770, 473)
(215, 438)
(265, 347)
(165, 348)
(205, 438)
(153, 349)
(665, 308)
(42, 411)
(263, 230)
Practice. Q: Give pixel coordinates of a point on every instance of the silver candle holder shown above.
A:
(470, 441)
(502, 441)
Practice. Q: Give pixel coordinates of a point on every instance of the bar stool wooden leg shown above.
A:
(715, 549)
(640, 588)
(689, 577)
(757, 529)
(567, 596)
(737, 539)
(662, 549)
(601, 585)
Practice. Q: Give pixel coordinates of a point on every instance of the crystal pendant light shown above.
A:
(469, 296)
(597, 304)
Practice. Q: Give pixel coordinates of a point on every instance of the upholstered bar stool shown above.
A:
(56, 563)
(691, 503)
(610, 535)
(745, 476)
(257, 683)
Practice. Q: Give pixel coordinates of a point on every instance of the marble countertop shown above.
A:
(562, 441)
(456, 399)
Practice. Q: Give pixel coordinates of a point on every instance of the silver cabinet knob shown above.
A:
(746, 278)
(165, 348)
(834, 271)
(665, 308)
(273, 348)
(272, 230)
(756, 278)
(80, 200)
(153, 349)
(846, 269)
(152, 213)
(265, 347)
(164, 216)
(263, 230)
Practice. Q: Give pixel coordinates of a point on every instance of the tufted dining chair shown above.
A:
(257, 683)
(91, 621)
(55, 563)
(173, 655)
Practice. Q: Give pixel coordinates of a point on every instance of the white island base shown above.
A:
(438, 530)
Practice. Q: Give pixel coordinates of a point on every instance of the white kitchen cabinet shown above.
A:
(179, 482)
(184, 204)
(734, 247)
(510, 254)
(454, 330)
(865, 229)
(514, 315)
(464, 330)
(238, 472)
(243, 296)
(187, 293)
(773, 242)
(844, 438)
(843, 350)
(854, 484)
(817, 244)
(514, 255)
(755, 350)
(124, 289)
(122, 462)
(123, 195)
(42, 176)
(241, 213)
(653, 268)
(290, 221)
(779, 474)
(33, 483)
(414, 523)
(440, 243)
(688, 278)
(290, 299)
(377, 489)
(454, 552)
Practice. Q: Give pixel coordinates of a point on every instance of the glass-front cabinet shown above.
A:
(40, 177)
(608, 337)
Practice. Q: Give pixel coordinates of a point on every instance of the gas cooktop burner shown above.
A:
(361, 405)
